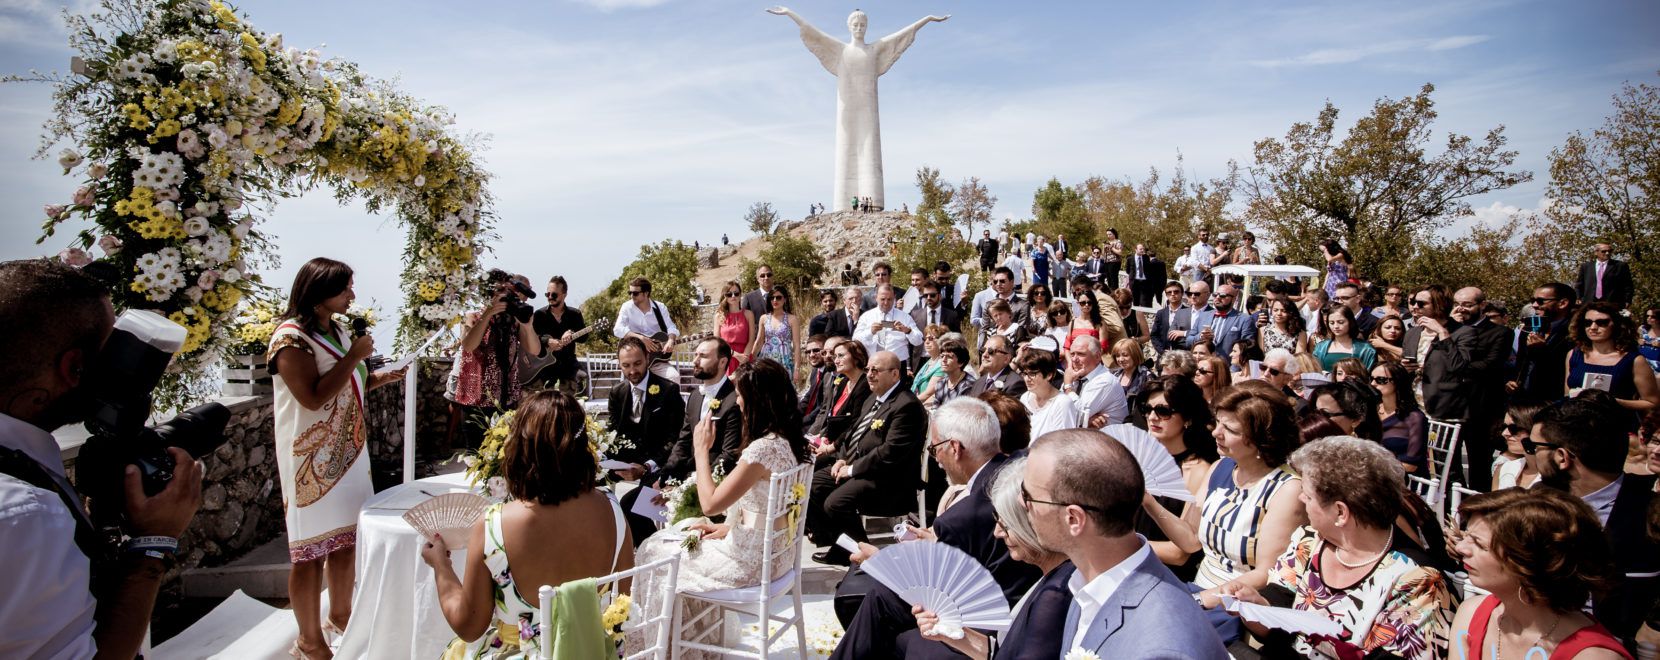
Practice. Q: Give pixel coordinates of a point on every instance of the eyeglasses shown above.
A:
(993, 351)
(1272, 371)
(1195, 293)
(1000, 281)
(1224, 296)
(1163, 411)
(811, 351)
(553, 294)
(1515, 429)
(930, 296)
(1031, 373)
(1027, 500)
(936, 444)
(634, 292)
(1084, 300)
(763, 276)
(1205, 372)
(777, 297)
(1600, 323)
(1382, 380)
(1529, 446)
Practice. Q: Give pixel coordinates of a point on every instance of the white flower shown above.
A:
(420, 180)
(194, 294)
(69, 158)
(497, 487)
(75, 257)
(195, 226)
(190, 144)
(233, 276)
(109, 244)
(55, 211)
(1080, 654)
(148, 262)
(166, 52)
(97, 170)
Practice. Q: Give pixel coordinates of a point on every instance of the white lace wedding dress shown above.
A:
(725, 563)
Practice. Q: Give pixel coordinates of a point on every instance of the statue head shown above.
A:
(856, 23)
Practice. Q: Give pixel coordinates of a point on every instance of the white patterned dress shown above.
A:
(725, 563)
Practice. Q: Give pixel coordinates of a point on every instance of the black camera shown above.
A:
(515, 299)
(119, 381)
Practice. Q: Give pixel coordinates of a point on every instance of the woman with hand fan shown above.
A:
(1179, 418)
(1352, 564)
(1039, 616)
(557, 528)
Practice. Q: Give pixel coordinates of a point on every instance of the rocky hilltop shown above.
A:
(843, 237)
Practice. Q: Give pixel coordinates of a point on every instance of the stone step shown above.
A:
(262, 573)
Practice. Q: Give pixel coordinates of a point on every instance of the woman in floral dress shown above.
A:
(778, 330)
(322, 457)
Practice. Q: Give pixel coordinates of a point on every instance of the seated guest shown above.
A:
(848, 391)
(1082, 494)
(1212, 376)
(1037, 620)
(1580, 445)
(1353, 406)
(1060, 321)
(1347, 369)
(1405, 427)
(1252, 500)
(730, 554)
(644, 409)
(964, 441)
(1101, 399)
(1013, 419)
(1051, 409)
(1349, 563)
(1177, 362)
(550, 476)
(1281, 369)
(1179, 418)
(925, 364)
(876, 470)
(1001, 322)
(1127, 368)
(1516, 467)
(1514, 549)
(955, 378)
(821, 371)
(995, 375)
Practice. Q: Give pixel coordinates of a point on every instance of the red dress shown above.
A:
(734, 328)
(1593, 636)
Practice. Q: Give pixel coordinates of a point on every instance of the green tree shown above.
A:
(1505, 260)
(670, 266)
(1162, 215)
(972, 205)
(1059, 210)
(1605, 188)
(797, 265)
(761, 218)
(935, 191)
(931, 238)
(1377, 190)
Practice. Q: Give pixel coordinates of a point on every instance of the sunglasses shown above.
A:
(1084, 300)
(999, 281)
(810, 351)
(733, 294)
(634, 292)
(994, 351)
(1163, 411)
(1272, 371)
(1205, 372)
(1541, 301)
(1419, 303)
(1515, 429)
(1382, 380)
(763, 276)
(1336, 413)
(1529, 446)
(778, 297)
(1600, 323)
(1195, 293)
(930, 296)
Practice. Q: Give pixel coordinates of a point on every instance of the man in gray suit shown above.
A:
(1082, 495)
(756, 301)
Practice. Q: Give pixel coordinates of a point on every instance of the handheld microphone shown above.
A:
(360, 327)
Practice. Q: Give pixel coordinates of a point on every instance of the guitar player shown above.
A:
(560, 322)
(641, 317)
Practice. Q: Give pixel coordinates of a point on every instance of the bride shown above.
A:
(728, 554)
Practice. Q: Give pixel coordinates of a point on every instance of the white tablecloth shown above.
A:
(395, 606)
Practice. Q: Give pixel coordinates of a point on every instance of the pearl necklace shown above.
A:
(1387, 544)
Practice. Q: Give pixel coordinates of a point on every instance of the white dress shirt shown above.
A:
(1018, 266)
(46, 604)
(888, 339)
(709, 392)
(1102, 393)
(1089, 598)
(631, 319)
(1199, 256)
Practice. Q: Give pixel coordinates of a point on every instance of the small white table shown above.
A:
(395, 611)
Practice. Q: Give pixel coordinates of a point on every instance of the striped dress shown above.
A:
(1230, 521)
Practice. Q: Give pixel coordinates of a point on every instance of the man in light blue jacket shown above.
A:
(1082, 494)
(1223, 324)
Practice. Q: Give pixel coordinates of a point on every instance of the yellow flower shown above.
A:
(616, 613)
(877, 425)
(653, 390)
(714, 404)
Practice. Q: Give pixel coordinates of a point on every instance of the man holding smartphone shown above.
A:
(885, 328)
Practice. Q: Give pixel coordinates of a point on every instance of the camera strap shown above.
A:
(18, 464)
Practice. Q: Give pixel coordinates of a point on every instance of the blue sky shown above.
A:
(618, 122)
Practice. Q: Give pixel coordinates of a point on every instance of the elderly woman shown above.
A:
(1177, 362)
(1039, 619)
(1252, 499)
(1513, 548)
(955, 377)
(1051, 408)
(1350, 565)
(930, 368)
(550, 476)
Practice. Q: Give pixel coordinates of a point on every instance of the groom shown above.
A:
(715, 397)
(1083, 495)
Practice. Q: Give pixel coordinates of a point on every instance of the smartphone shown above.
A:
(1535, 323)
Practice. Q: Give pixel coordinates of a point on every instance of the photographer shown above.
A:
(54, 320)
(492, 342)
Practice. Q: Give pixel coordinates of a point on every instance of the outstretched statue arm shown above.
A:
(823, 46)
(892, 46)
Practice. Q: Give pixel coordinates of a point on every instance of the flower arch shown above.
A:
(187, 122)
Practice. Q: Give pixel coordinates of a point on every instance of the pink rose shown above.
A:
(75, 257)
(83, 196)
(109, 244)
(207, 279)
(97, 170)
(55, 211)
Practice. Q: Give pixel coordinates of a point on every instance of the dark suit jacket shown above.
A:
(1616, 282)
(1164, 321)
(1622, 609)
(968, 525)
(1443, 371)
(838, 325)
(1036, 633)
(947, 315)
(833, 425)
(820, 324)
(756, 301)
(890, 451)
(659, 424)
(1012, 386)
(818, 387)
(1150, 615)
(681, 461)
(1154, 266)
(1542, 371)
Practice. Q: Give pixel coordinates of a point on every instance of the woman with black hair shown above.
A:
(1179, 418)
(1338, 264)
(1405, 427)
(1353, 405)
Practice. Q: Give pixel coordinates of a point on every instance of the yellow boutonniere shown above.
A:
(877, 425)
(714, 404)
(653, 390)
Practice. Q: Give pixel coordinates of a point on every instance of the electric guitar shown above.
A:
(530, 367)
(662, 339)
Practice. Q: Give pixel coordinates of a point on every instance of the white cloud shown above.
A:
(1325, 56)
(1450, 43)
(613, 5)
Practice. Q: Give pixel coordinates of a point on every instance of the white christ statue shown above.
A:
(856, 66)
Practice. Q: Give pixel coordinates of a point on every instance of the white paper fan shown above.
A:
(1158, 467)
(1283, 618)
(450, 514)
(945, 580)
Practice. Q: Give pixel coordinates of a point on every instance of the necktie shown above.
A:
(1601, 266)
(933, 316)
(639, 404)
(864, 424)
(1081, 382)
